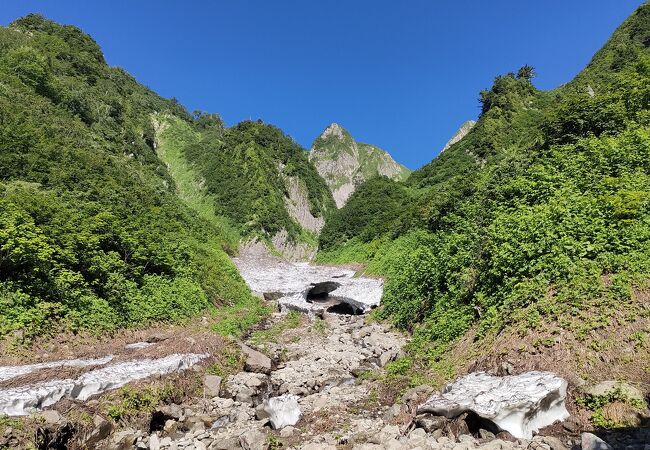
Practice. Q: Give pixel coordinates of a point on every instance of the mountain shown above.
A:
(97, 232)
(345, 163)
(254, 175)
(461, 133)
(521, 244)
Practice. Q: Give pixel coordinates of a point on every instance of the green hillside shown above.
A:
(538, 220)
(245, 170)
(93, 234)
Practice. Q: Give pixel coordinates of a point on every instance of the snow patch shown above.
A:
(283, 411)
(291, 284)
(24, 400)
(9, 372)
(519, 404)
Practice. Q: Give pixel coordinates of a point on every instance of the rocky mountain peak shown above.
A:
(334, 129)
(345, 163)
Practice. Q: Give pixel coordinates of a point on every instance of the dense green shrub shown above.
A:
(546, 198)
(245, 169)
(93, 234)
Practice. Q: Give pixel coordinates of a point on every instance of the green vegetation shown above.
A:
(173, 135)
(376, 209)
(93, 235)
(229, 362)
(532, 214)
(246, 169)
(235, 320)
(132, 402)
(598, 404)
(271, 334)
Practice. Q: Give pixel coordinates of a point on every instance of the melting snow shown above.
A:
(9, 372)
(519, 404)
(24, 400)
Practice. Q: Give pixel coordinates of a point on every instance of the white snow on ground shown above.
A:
(9, 372)
(519, 404)
(291, 283)
(24, 400)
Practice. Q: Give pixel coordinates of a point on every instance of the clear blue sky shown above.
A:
(402, 75)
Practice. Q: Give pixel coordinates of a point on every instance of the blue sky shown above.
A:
(402, 75)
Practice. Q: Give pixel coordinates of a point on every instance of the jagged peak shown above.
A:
(334, 129)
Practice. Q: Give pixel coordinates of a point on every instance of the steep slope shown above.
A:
(531, 235)
(345, 163)
(93, 235)
(252, 175)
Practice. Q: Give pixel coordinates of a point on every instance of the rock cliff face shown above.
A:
(461, 133)
(345, 163)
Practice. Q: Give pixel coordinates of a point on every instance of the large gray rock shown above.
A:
(253, 440)
(101, 430)
(593, 442)
(605, 387)
(51, 417)
(282, 411)
(212, 385)
(256, 361)
(519, 404)
(123, 440)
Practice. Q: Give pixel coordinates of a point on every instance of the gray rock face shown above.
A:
(283, 411)
(461, 133)
(345, 163)
(519, 404)
(298, 206)
(593, 442)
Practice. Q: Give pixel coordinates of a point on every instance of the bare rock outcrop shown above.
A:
(345, 163)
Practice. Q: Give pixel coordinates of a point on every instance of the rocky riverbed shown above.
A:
(318, 384)
(319, 370)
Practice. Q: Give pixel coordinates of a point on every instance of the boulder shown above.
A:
(253, 440)
(101, 430)
(154, 442)
(212, 385)
(256, 361)
(593, 442)
(519, 404)
(283, 410)
(123, 440)
(50, 416)
(430, 423)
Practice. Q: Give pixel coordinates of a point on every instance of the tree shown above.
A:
(526, 72)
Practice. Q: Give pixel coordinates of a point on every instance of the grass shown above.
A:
(614, 409)
(234, 321)
(230, 361)
(131, 402)
(272, 334)
(176, 134)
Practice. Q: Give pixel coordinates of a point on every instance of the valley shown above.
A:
(168, 281)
